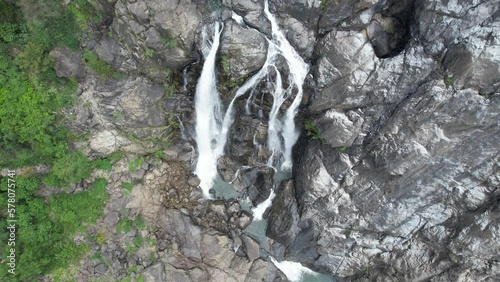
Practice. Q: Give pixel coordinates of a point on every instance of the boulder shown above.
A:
(243, 50)
(67, 63)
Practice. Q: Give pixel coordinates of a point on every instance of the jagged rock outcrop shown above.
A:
(148, 36)
(404, 182)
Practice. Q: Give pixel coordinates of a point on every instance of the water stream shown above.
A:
(213, 124)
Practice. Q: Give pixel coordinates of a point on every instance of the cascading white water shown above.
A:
(211, 132)
(212, 126)
(208, 114)
(298, 70)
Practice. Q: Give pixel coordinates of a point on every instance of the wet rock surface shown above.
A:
(407, 166)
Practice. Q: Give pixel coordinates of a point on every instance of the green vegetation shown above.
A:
(127, 188)
(225, 64)
(32, 132)
(69, 169)
(125, 225)
(101, 238)
(170, 90)
(169, 41)
(138, 241)
(159, 154)
(103, 164)
(31, 94)
(149, 53)
(100, 67)
(46, 227)
(85, 14)
(135, 164)
(322, 6)
(448, 81)
(312, 131)
(139, 223)
(341, 148)
(131, 248)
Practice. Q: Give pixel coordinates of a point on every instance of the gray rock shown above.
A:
(284, 216)
(252, 248)
(185, 233)
(244, 50)
(194, 181)
(111, 219)
(67, 63)
(137, 174)
(101, 268)
(154, 273)
(407, 198)
(107, 142)
(244, 220)
(259, 182)
(219, 208)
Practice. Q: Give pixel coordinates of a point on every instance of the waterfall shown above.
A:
(213, 125)
(208, 114)
(212, 129)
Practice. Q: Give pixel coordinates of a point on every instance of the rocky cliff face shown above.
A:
(404, 182)
(401, 180)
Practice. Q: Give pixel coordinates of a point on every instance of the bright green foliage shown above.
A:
(139, 223)
(138, 241)
(100, 67)
(30, 93)
(159, 154)
(125, 225)
(85, 14)
(141, 278)
(103, 164)
(71, 168)
(131, 248)
(114, 157)
(46, 228)
(312, 131)
(135, 164)
(127, 188)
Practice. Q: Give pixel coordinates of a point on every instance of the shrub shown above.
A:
(312, 131)
(159, 154)
(103, 164)
(125, 225)
(101, 238)
(127, 186)
(135, 164)
(149, 53)
(169, 41)
(46, 227)
(99, 66)
(71, 168)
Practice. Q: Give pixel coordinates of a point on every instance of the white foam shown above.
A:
(294, 271)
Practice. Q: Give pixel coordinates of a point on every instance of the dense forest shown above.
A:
(33, 133)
